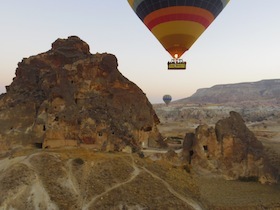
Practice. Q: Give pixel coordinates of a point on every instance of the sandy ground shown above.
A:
(222, 194)
(268, 132)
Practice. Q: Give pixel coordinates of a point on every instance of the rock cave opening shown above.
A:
(205, 147)
(38, 145)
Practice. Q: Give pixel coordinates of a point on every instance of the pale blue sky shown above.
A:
(242, 45)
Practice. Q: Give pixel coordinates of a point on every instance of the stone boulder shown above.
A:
(70, 97)
(230, 149)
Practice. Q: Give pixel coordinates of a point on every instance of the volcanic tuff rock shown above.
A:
(68, 96)
(230, 149)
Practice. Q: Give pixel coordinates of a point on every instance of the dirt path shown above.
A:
(39, 196)
(188, 200)
(8, 162)
(134, 174)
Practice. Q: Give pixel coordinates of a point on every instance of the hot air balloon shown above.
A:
(177, 24)
(167, 99)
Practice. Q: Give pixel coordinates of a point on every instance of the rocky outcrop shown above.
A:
(70, 97)
(230, 149)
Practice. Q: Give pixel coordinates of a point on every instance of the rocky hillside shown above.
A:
(70, 97)
(267, 91)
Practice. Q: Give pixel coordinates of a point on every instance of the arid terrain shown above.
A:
(80, 178)
(83, 179)
(177, 120)
(216, 192)
(76, 134)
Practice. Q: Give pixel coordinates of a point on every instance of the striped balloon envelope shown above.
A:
(177, 24)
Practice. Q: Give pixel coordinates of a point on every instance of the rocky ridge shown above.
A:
(264, 91)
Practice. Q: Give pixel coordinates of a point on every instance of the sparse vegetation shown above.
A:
(187, 168)
(78, 161)
(248, 178)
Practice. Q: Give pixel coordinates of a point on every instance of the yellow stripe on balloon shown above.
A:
(177, 36)
(178, 27)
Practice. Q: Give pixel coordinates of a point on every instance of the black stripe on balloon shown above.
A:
(148, 6)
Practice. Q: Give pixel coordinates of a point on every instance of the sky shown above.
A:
(241, 45)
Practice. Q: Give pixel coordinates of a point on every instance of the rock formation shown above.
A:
(68, 96)
(230, 149)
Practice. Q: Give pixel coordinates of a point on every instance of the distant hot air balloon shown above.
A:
(167, 99)
(177, 24)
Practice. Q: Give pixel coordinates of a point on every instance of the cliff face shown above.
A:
(229, 149)
(68, 96)
(265, 90)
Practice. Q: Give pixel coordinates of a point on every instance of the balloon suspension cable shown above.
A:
(176, 59)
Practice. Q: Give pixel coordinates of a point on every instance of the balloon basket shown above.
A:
(176, 64)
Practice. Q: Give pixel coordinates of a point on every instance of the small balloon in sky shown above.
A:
(167, 99)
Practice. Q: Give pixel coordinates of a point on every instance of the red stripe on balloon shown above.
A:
(174, 17)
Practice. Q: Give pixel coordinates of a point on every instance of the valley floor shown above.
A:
(219, 194)
(83, 179)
